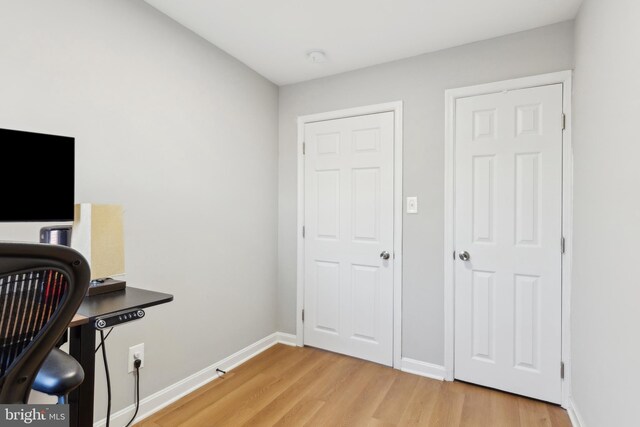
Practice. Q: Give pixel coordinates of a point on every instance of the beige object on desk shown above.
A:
(98, 234)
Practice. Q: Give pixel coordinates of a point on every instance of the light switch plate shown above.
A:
(412, 205)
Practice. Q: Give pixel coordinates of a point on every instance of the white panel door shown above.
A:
(508, 213)
(348, 293)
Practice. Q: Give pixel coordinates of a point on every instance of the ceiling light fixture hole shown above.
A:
(317, 56)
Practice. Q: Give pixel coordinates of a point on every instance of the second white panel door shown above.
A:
(348, 293)
(508, 226)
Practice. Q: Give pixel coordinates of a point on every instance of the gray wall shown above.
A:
(420, 82)
(164, 122)
(606, 289)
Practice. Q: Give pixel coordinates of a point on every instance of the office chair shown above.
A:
(41, 288)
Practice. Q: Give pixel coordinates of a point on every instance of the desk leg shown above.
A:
(82, 347)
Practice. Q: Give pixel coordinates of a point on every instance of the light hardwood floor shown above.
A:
(305, 386)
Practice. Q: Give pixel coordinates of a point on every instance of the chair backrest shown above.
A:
(41, 288)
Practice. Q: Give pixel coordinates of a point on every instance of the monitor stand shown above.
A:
(102, 286)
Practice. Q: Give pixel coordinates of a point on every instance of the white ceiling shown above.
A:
(274, 36)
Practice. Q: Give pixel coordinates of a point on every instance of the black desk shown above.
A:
(82, 341)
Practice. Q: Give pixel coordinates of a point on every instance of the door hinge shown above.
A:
(564, 121)
(303, 231)
(562, 370)
(303, 315)
(454, 255)
(562, 245)
(304, 148)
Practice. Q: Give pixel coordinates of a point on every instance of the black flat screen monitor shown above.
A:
(36, 177)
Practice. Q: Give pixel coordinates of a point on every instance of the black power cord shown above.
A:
(105, 338)
(136, 364)
(106, 371)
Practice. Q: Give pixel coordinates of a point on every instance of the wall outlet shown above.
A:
(135, 352)
(412, 205)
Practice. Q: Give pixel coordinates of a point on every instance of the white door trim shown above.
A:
(451, 95)
(396, 108)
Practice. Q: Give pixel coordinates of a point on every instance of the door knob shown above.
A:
(385, 255)
(464, 256)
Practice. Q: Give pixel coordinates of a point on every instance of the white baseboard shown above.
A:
(574, 415)
(284, 338)
(424, 369)
(168, 395)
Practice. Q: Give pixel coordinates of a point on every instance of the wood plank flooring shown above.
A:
(293, 386)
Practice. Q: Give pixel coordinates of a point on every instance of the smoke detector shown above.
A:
(317, 56)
